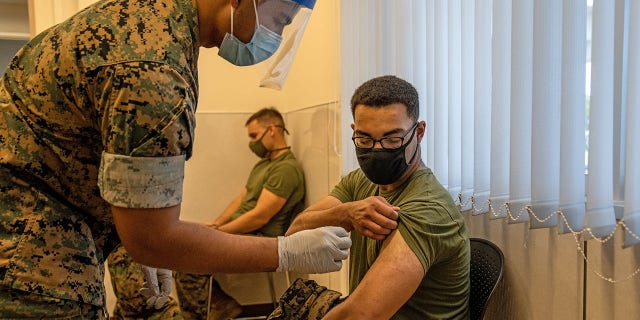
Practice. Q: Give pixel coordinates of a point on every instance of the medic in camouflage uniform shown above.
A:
(107, 97)
(86, 86)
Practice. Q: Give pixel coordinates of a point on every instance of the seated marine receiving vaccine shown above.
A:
(273, 193)
(410, 254)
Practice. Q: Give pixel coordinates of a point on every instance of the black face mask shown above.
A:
(384, 166)
(258, 147)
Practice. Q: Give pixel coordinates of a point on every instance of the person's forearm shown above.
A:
(241, 226)
(337, 312)
(207, 250)
(223, 218)
(154, 240)
(344, 311)
(268, 205)
(312, 219)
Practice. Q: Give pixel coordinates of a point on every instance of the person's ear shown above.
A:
(420, 130)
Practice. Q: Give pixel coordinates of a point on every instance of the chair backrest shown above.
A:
(487, 263)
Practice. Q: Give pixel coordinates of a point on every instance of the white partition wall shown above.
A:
(45, 13)
(14, 29)
(315, 140)
(219, 167)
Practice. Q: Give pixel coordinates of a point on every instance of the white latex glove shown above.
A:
(157, 286)
(314, 251)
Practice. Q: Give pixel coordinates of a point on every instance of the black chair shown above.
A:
(487, 263)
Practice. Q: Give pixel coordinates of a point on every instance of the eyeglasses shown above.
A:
(385, 143)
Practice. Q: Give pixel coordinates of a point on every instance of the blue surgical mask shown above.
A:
(263, 45)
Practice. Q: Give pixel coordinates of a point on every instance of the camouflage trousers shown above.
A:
(305, 299)
(193, 294)
(127, 279)
(15, 304)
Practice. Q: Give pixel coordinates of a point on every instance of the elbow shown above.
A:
(140, 250)
(148, 247)
(147, 233)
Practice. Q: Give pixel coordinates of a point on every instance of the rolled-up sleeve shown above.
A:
(141, 182)
(147, 121)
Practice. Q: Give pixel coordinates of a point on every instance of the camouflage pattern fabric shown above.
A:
(305, 299)
(16, 304)
(141, 182)
(118, 77)
(193, 293)
(127, 279)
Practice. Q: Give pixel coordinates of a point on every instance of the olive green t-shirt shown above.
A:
(433, 227)
(284, 177)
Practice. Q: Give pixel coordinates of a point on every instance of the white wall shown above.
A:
(219, 167)
(14, 20)
(14, 29)
(315, 139)
(45, 13)
(544, 274)
(313, 79)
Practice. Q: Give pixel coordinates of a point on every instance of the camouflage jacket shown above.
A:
(119, 77)
(305, 299)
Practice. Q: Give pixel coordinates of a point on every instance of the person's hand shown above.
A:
(373, 217)
(157, 286)
(314, 251)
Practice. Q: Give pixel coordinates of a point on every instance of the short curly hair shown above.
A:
(385, 90)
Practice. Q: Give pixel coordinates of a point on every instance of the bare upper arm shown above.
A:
(269, 204)
(388, 285)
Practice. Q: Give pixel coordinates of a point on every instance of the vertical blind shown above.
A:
(532, 107)
(631, 215)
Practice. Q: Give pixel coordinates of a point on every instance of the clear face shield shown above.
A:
(289, 18)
